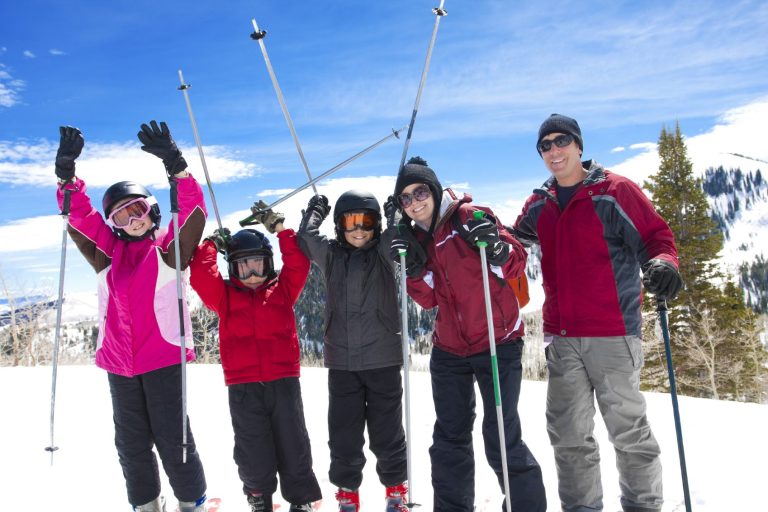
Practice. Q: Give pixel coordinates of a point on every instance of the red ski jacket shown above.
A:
(257, 328)
(591, 253)
(453, 282)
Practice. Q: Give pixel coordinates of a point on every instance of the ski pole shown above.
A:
(661, 308)
(439, 13)
(259, 35)
(180, 297)
(395, 133)
(494, 365)
(406, 377)
(55, 358)
(185, 88)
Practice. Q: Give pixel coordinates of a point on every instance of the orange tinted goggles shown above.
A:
(354, 220)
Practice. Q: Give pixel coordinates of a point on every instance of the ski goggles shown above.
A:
(135, 209)
(363, 220)
(243, 268)
(420, 194)
(560, 141)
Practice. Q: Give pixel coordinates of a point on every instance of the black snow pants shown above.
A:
(147, 412)
(451, 453)
(372, 397)
(271, 438)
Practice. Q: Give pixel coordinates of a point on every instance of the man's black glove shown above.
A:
(70, 145)
(662, 279)
(391, 212)
(319, 204)
(221, 238)
(415, 257)
(485, 230)
(158, 141)
(266, 216)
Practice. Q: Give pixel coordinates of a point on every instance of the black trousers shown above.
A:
(451, 453)
(147, 412)
(271, 438)
(356, 398)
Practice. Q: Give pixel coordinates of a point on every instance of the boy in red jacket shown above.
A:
(259, 351)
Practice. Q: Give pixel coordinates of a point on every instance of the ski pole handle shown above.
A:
(479, 214)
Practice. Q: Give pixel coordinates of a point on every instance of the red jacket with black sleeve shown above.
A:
(257, 328)
(591, 253)
(453, 283)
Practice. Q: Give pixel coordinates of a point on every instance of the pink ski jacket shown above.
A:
(138, 303)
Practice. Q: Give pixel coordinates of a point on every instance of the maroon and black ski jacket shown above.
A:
(453, 283)
(591, 253)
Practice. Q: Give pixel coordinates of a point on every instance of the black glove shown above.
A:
(70, 146)
(158, 141)
(485, 230)
(391, 212)
(221, 238)
(415, 257)
(319, 204)
(661, 278)
(266, 216)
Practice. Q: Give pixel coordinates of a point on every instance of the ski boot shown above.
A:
(397, 497)
(156, 505)
(260, 503)
(349, 500)
(301, 508)
(193, 506)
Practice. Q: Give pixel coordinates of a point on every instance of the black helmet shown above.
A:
(249, 242)
(126, 189)
(356, 200)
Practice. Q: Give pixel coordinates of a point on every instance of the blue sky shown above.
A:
(349, 72)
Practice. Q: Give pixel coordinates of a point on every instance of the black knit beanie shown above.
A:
(418, 171)
(558, 123)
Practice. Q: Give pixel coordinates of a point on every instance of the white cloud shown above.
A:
(103, 164)
(9, 88)
(54, 51)
(643, 146)
(28, 54)
(618, 149)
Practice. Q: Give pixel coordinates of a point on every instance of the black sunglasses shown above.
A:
(420, 194)
(560, 141)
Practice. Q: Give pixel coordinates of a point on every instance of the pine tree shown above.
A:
(709, 326)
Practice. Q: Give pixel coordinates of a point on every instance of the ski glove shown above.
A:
(415, 257)
(158, 141)
(221, 238)
(485, 230)
(662, 279)
(266, 216)
(70, 146)
(319, 204)
(392, 212)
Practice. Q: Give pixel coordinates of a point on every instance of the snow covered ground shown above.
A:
(725, 443)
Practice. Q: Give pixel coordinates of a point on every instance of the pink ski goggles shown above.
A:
(136, 209)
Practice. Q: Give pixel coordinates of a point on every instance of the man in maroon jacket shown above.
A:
(596, 230)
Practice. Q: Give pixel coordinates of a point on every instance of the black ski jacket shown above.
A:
(362, 315)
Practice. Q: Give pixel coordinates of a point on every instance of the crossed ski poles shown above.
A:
(55, 358)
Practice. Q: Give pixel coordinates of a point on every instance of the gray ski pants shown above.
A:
(608, 369)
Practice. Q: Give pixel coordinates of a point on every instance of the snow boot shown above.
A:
(193, 506)
(397, 497)
(260, 503)
(156, 505)
(349, 500)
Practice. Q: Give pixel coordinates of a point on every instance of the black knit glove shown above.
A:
(266, 216)
(158, 141)
(221, 238)
(319, 204)
(392, 212)
(485, 231)
(662, 279)
(415, 257)
(70, 145)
